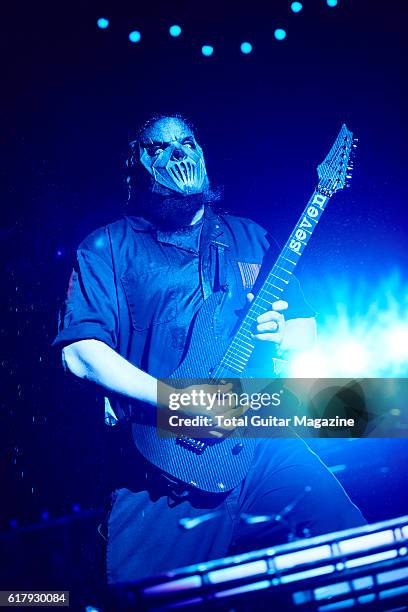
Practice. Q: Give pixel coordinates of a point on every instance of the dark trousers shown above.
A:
(287, 482)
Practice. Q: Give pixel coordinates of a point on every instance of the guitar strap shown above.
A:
(213, 257)
(221, 279)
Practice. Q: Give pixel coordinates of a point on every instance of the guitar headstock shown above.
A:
(335, 171)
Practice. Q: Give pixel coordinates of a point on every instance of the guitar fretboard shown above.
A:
(238, 353)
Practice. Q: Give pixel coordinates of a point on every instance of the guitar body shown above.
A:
(224, 463)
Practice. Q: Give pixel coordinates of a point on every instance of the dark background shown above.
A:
(72, 96)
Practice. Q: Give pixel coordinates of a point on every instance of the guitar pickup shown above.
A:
(191, 444)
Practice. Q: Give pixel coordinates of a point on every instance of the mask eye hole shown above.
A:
(189, 143)
(155, 151)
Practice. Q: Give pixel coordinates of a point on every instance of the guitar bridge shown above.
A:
(191, 444)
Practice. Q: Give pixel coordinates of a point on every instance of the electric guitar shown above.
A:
(219, 465)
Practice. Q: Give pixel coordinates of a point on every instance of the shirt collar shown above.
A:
(212, 223)
(140, 225)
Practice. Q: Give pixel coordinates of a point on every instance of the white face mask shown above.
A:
(179, 166)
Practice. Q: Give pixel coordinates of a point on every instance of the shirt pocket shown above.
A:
(151, 296)
(247, 273)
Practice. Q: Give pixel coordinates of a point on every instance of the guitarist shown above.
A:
(136, 286)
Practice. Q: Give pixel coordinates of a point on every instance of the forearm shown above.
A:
(95, 361)
(300, 335)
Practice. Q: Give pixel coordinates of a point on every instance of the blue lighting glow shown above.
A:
(367, 338)
(279, 34)
(99, 242)
(135, 36)
(102, 23)
(174, 30)
(207, 50)
(296, 7)
(331, 3)
(246, 48)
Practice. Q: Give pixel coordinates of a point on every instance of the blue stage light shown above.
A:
(296, 7)
(351, 357)
(363, 336)
(174, 30)
(135, 36)
(279, 34)
(331, 3)
(102, 23)
(207, 50)
(246, 48)
(99, 242)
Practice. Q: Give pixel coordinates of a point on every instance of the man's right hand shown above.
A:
(206, 401)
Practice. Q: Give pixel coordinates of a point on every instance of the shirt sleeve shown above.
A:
(90, 308)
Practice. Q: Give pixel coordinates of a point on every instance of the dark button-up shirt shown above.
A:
(137, 289)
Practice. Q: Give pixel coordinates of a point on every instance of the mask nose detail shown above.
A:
(179, 168)
(178, 154)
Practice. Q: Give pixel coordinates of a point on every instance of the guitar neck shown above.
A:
(238, 353)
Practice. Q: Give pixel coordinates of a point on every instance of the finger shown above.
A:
(223, 430)
(269, 326)
(270, 315)
(223, 407)
(240, 410)
(276, 337)
(224, 389)
(280, 305)
(216, 434)
(218, 389)
(227, 412)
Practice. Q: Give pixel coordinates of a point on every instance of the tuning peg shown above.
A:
(350, 168)
(348, 176)
(355, 143)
